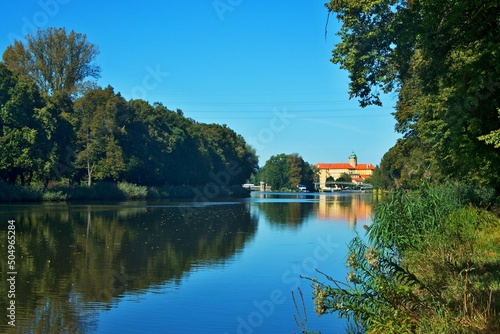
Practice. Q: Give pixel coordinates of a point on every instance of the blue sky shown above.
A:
(261, 67)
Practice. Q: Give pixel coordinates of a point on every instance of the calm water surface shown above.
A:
(177, 267)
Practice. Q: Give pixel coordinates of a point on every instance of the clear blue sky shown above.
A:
(261, 67)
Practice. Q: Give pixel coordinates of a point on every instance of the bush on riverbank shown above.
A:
(115, 192)
(431, 265)
(15, 193)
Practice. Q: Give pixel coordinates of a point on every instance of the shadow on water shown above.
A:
(74, 260)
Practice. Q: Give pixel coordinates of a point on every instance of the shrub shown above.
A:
(112, 191)
(54, 196)
(15, 193)
(431, 265)
(132, 191)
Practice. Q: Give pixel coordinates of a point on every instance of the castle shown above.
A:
(358, 172)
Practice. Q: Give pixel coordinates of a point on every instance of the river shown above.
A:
(176, 267)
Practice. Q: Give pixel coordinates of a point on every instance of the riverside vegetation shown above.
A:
(60, 131)
(117, 192)
(430, 264)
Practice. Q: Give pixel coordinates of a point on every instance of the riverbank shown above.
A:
(117, 192)
(430, 264)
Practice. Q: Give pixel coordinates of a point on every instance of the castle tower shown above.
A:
(353, 160)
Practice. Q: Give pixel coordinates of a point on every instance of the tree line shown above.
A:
(56, 124)
(442, 60)
(286, 172)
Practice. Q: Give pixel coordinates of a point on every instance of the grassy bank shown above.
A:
(430, 264)
(116, 192)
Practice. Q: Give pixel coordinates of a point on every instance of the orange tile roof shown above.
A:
(334, 166)
(361, 178)
(365, 166)
(344, 166)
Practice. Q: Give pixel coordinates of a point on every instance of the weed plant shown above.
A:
(431, 264)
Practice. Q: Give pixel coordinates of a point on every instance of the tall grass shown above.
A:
(113, 192)
(431, 265)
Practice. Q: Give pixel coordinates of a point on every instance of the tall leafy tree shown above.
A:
(225, 150)
(345, 177)
(60, 127)
(55, 59)
(287, 171)
(275, 172)
(442, 59)
(97, 114)
(295, 171)
(23, 140)
(158, 148)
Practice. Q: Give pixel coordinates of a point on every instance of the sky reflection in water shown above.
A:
(170, 267)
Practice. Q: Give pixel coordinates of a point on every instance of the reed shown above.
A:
(430, 264)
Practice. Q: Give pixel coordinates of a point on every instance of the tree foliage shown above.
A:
(50, 133)
(54, 59)
(493, 137)
(442, 59)
(97, 131)
(23, 139)
(345, 177)
(287, 171)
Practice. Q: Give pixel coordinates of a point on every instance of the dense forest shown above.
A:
(442, 59)
(57, 125)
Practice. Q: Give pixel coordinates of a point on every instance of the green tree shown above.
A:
(97, 114)
(344, 178)
(442, 60)
(60, 128)
(23, 140)
(222, 147)
(275, 172)
(54, 59)
(308, 175)
(295, 172)
(287, 171)
(493, 137)
(377, 179)
(158, 146)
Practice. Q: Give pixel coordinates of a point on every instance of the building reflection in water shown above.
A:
(352, 208)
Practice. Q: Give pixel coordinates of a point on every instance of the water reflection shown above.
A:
(345, 208)
(292, 210)
(73, 260)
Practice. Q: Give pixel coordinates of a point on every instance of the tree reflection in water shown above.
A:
(73, 260)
